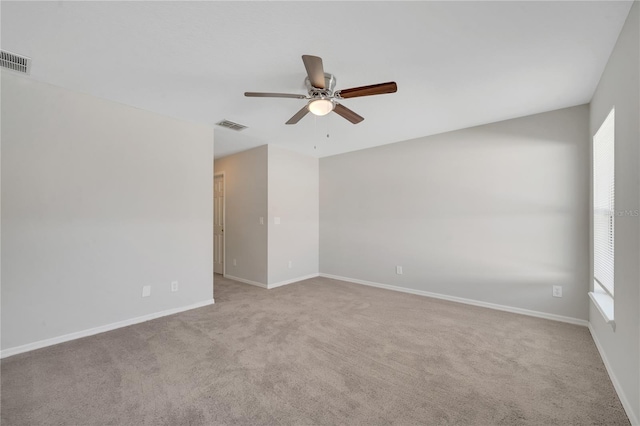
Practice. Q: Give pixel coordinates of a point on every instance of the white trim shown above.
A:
(616, 384)
(604, 302)
(242, 280)
(97, 330)
(224, 217)
(495, 306)
(293, 280)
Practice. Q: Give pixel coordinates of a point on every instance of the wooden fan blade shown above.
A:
(374, 89)
(298, 115)
(273, 95)
(345, 112)
(315, 70)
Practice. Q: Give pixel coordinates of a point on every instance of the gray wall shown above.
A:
(246, 203)
(619, 88)
(293, 197)
(98, 199)
(496, 213)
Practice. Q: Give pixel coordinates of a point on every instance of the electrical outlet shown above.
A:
(146, 291)
(276, 220)
(235, 262)
(174, 286)
(557, 291)
(261, 220)
(290, 264)
(399, 270)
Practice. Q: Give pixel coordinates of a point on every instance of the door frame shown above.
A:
(224, 221)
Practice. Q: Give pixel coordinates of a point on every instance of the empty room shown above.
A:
(320, 213)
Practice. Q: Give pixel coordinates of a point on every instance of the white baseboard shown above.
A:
(495, 306)
(242, 280)
(633, 418)
(293, 280)
(97, 330)
(274, 285)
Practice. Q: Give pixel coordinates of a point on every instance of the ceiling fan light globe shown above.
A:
(320, 107)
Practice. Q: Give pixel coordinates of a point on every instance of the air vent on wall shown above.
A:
(15, 62)
(231, 125)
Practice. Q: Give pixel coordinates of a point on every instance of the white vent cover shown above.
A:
(231, 125)
(15, 62)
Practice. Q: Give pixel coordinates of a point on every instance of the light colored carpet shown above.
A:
(318, 352)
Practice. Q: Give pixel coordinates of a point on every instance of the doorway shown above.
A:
(218, 223)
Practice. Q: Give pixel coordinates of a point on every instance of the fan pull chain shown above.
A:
(315, 129)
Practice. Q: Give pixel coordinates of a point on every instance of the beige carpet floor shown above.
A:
(318, 352)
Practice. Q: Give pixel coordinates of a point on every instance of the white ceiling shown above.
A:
(457, 64)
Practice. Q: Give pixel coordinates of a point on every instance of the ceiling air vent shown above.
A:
(231, 125)
(15, 62)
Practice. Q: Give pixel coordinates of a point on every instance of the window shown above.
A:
(604, 216)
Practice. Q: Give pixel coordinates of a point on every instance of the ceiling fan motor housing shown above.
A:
(317, 93)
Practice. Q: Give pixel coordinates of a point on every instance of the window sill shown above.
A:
(604, 303)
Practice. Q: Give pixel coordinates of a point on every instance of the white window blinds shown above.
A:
(603, 202)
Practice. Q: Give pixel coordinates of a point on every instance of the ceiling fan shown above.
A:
(321, 97)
